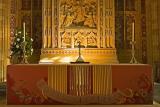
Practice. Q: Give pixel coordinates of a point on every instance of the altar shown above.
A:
(61, 84)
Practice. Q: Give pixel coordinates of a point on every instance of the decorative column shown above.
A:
(44, 23)
(152, 31)
(49, 22)
(110, 24)
(143, 31)
(4, 37)
(104, 25)
(107, 23)
(53, 26)
(98, 29)
(152, 17)
(159, 28)
(46, 17)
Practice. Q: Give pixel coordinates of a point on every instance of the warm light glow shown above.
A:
(46, 60)
(55, 58)
(66, 60)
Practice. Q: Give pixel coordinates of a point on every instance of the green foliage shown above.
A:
(18, 44)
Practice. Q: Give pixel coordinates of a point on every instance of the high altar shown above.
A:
(67, 22)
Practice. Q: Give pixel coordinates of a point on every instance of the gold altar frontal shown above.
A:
(92, 55)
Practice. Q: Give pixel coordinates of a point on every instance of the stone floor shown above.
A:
(157, 92)
(156, 102)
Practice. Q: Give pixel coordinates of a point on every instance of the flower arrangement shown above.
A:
(17, 48)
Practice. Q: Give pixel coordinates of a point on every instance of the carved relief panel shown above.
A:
(78, 22)
(78, 13)
(89, 21)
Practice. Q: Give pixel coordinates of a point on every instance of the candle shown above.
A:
(24, 31)
(133, 31)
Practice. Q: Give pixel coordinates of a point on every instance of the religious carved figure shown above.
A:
(66, 40)
(79, 37)
(72, 21)
(91, 40)
(78, 13)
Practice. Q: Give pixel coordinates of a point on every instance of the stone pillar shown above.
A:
(53, 13)
(153, 39)
(110, 23)
(158, 27)
(104, 23)
(4, 37)
(44, 23)
(49, 22)
(99, 27)
(152, 31)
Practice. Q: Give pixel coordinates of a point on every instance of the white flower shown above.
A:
(17, 46)
(18, 39)
(32, 50)
(16, 34)
(11, 52)
(19, 32)
(31, 39)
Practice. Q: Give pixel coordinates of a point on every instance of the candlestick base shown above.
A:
(133, 59)
(80, 59)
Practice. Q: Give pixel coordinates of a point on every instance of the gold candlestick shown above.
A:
(24, 60)
(133, 42)
(133, 31)
(133, 59)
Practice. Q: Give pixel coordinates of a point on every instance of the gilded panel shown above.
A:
(78, 14)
